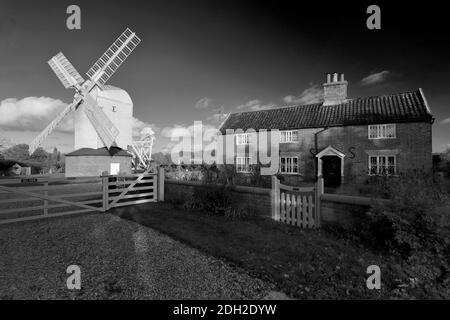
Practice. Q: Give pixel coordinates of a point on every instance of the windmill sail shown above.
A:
(52, 126)
(111, 60)
(65, 71)
(104, 127)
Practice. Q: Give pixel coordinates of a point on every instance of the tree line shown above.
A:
(40, 161)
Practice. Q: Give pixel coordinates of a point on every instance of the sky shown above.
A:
(201, 59)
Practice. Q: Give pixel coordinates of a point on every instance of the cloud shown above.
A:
(32, 114)
(182, 130)
(314, 94)
(204, 103)
(255, 105)
(375, 78)
(217, 118)
(138, 125)
(445, 121)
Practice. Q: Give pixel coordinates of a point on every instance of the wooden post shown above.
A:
(160, 182)
(275, 201)
(319, 192)
(105, 190)
(46, 194)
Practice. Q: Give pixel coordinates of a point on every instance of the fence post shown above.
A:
(46, 194)
(275, 201)
(319, 192)
(105, 188)
(160, 182)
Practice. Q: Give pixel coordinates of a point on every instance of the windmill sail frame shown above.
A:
(99, 73)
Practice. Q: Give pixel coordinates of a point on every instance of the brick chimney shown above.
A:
(335, 89)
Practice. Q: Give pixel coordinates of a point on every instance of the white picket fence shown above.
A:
(297, 206)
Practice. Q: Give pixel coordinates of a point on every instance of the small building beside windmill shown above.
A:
(87, 162)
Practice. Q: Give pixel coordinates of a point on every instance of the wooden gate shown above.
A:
(298, 206)
(126, 190)
(37, 197)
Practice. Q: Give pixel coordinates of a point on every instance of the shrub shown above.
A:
(213, 200)
(410, 222)
(240, 213)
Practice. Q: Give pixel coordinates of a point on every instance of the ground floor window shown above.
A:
(242, 164)
(382, 165)
(289, 165)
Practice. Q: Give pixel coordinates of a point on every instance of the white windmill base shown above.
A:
(88, 162)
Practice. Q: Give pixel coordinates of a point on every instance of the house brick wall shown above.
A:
(412, 145)
(79, 166)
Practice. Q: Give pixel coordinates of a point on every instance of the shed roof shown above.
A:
(113, 151)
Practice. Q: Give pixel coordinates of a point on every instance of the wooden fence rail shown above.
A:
(38, 197)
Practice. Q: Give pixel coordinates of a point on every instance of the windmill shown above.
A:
(98, 75)
(97, 123)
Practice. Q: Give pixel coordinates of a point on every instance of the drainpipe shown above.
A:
(316, 146)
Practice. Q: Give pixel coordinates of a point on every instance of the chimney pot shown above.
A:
(335, 90)
(335, 77)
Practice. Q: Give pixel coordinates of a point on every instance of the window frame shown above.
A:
(292, 165)
(285, 133)
(381, 131)
(247, 165)
(386, 166)
(241, 141)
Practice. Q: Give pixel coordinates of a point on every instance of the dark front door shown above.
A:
(331, 171)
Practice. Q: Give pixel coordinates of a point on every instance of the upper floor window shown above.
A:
(242, 139)
(288, 136)
(243, 164)
(289, 165)
(382, 165)
(382, 131)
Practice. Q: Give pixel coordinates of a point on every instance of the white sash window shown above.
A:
(288, 136)
(289, 165)
(243, 164)
(382, 165)
(382, 131)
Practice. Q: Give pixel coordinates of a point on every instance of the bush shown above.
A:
(213, 200)
(410, 223)
(240, 213)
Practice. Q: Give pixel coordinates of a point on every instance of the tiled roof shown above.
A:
(113, 151)
(403, 107)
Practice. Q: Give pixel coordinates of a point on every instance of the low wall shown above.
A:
(257, 198)
(335, 209)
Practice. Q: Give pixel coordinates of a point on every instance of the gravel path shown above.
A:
(119, 259)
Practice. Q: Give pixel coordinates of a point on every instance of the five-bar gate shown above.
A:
(38, 197)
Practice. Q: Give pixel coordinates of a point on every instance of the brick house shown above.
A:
(341, 138)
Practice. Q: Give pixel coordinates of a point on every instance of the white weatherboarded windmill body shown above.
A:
(103, 114)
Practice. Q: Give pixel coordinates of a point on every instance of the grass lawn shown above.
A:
(305, 264)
